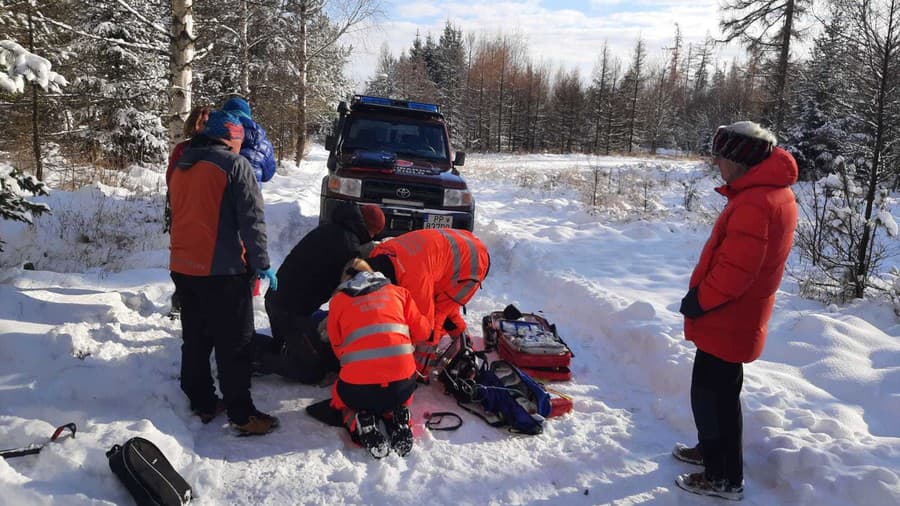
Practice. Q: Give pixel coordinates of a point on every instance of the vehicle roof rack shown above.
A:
(368, 101)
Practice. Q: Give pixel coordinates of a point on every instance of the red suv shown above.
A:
(397, 154)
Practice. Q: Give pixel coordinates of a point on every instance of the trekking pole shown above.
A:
(36, 448)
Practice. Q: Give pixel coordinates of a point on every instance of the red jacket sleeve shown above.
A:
(335, 309)
(444, 309)
(419, 327)
(738, 259)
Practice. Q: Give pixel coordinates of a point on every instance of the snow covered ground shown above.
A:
(84, 338)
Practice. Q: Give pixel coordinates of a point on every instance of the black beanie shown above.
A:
(744, 142)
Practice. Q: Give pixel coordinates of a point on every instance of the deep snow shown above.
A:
(89, 343)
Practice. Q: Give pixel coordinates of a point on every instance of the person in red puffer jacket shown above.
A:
(731, 296)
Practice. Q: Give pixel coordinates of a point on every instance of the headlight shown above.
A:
(457, 198)
(346, 186)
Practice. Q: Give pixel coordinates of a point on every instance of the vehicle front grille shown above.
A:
(431, 196)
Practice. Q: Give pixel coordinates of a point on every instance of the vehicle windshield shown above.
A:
(401, 136)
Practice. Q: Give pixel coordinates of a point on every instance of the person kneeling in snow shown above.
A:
(306, 279)
(442, 269)
(731, 296)
(372, 325)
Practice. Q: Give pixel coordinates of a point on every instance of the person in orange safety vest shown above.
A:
(442, 269)
(372, 325)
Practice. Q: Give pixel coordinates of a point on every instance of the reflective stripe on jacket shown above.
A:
(373, 334)
(441, 268)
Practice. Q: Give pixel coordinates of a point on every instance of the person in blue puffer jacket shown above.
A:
(256, 147)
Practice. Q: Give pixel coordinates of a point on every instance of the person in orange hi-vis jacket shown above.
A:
(372, 325)
(442, 269)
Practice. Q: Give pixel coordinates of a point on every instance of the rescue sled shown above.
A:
(528, 341)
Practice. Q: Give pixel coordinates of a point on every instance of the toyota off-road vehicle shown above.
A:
(397, 154)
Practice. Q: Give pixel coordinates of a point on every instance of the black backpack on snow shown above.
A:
(147, 474)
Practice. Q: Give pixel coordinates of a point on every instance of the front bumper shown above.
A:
(399, 220)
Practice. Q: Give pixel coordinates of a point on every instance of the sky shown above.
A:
(568, 33)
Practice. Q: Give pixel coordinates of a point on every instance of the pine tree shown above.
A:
(118, 93)
(25, 22)
(19, 65)
(633, 84)
(382, 83)
(819, 130)
(449, 73)
(770, 25)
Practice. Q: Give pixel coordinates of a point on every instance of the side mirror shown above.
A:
(329, 143)
(342, 108)
(460, 159)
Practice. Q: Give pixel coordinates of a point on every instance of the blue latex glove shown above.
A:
(270, 275)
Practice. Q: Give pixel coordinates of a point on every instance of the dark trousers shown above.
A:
(376, 398)
(216, 314)
(303, 356)
(716, 403)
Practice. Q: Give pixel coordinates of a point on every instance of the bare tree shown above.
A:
(346, 15)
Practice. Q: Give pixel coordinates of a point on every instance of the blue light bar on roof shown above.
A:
(376, 101)
(402, 104)
(419, 106)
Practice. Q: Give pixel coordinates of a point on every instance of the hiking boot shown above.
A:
(256, 426)
(697, 483)
(401, 433)
(210, 416)
(269, 418)
(688, 454)
(370, 436)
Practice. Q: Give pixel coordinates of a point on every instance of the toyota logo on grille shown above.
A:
(403, 193)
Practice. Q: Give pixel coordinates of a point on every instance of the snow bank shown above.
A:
(93, 346)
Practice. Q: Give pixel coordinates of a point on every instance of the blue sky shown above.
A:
(566, 33)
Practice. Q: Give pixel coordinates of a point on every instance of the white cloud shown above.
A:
(416, 10)
(564, 37)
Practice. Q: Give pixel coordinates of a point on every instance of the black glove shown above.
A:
(690, 305)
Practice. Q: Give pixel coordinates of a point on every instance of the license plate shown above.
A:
(438, 221)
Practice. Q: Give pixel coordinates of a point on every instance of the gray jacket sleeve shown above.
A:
(251, 218)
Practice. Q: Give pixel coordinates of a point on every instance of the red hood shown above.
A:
(779, 169)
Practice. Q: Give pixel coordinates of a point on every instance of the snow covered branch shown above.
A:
(21, 66)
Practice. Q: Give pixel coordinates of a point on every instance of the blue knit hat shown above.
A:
(223, 125)
(237, 106)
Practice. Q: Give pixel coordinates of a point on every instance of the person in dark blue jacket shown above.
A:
(256, 147)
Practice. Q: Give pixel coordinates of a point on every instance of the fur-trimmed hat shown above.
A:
(237, 106)
(222, 125)
(374, 218)
(744, 142)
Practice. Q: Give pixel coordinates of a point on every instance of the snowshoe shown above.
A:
(401, 433)
(370, 436)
